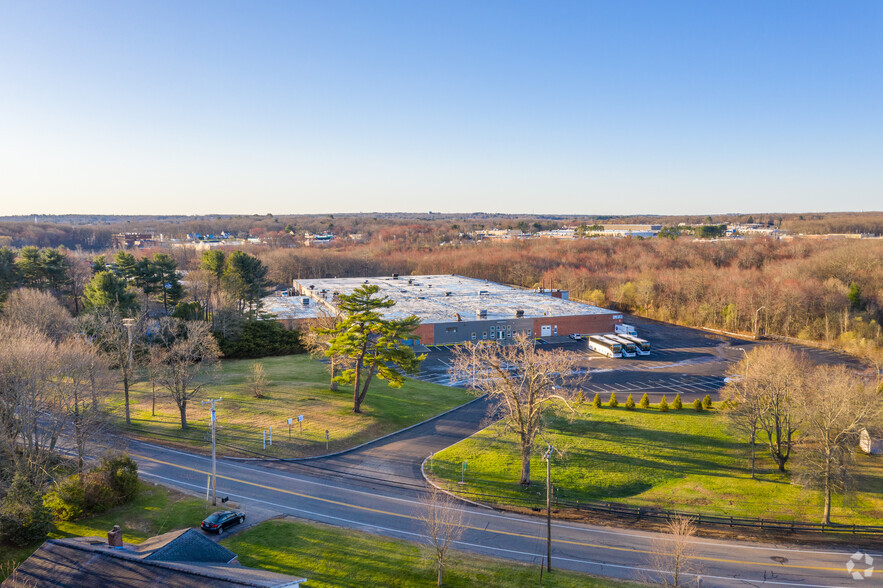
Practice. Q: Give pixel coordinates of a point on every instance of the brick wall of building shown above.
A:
(587, 324)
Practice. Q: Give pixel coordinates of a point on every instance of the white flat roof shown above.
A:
(439, 298)
(292, 307)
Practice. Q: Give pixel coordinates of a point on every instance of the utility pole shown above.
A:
(214, 463)
(548, 458)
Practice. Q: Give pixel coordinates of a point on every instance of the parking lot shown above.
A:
(682, 361)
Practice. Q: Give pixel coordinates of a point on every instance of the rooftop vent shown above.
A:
(481, 312)
(410, 281)
(395, 276)
(482, 292)
(447, 293)
(519, 313)
(457, 316)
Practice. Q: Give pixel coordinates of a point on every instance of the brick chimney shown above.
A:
(115, 537)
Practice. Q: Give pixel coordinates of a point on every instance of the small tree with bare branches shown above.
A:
(672, 557)
(257, 380)
(524, 383)
(442, 518)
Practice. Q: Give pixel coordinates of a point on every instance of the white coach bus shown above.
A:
(642, 346)
(629, 349)
(604, 346)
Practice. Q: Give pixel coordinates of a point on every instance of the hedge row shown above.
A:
(663, 406)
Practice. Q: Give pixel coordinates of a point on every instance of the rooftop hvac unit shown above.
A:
(410, 281)
(395, 276)
(481, 313)
(447, 293)
(519, 313)
(482, 292)
(305, 301)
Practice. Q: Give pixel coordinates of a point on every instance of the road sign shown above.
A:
(290, 420)
(300, 418)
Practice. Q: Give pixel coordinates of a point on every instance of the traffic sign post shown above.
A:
(326, 439)
(290, 420)
(463, 473)
(300, 420)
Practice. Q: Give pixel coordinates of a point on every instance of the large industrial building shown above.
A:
(455, 309)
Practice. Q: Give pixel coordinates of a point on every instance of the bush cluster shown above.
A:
(24, 519)
(257, 339)
(113, 482)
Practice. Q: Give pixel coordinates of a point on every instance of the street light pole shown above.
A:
(548, 458)
(756, 319)
(214, 463)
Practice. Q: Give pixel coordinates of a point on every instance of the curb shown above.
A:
(365, 444)
(440, 489)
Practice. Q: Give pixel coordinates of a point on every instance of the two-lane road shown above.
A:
(395, 513)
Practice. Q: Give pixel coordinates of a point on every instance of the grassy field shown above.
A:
(677, 460)
(328, 556)
(154, 511)
(298, 385)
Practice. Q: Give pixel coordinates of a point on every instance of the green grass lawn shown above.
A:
(298, 385)
(328, 556)
(154, 511)
(680, 460)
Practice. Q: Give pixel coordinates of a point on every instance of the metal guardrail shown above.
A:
(643, 513)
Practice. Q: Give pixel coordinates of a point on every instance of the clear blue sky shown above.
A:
(326, 106)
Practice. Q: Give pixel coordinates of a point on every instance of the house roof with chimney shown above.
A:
(176, 559)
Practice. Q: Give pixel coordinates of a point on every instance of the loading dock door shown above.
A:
(545, 330)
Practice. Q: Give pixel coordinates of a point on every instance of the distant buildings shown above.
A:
(133, 240)
(318, 238)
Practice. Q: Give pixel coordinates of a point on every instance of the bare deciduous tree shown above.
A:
(185, 354)
(763, 398)
(41, 310)
(442, 518)
(317, 341)
(834, 407)
(29, 414)
(80, 376)
(44, 386)
(118, 339)
(672, 557)
(257, 380)
(523, 382)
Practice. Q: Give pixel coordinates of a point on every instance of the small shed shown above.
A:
(870, 443)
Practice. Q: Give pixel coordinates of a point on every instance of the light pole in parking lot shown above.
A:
(214, 469)
(756, 319)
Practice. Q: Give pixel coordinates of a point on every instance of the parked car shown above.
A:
(217, 522)
(576, 336)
